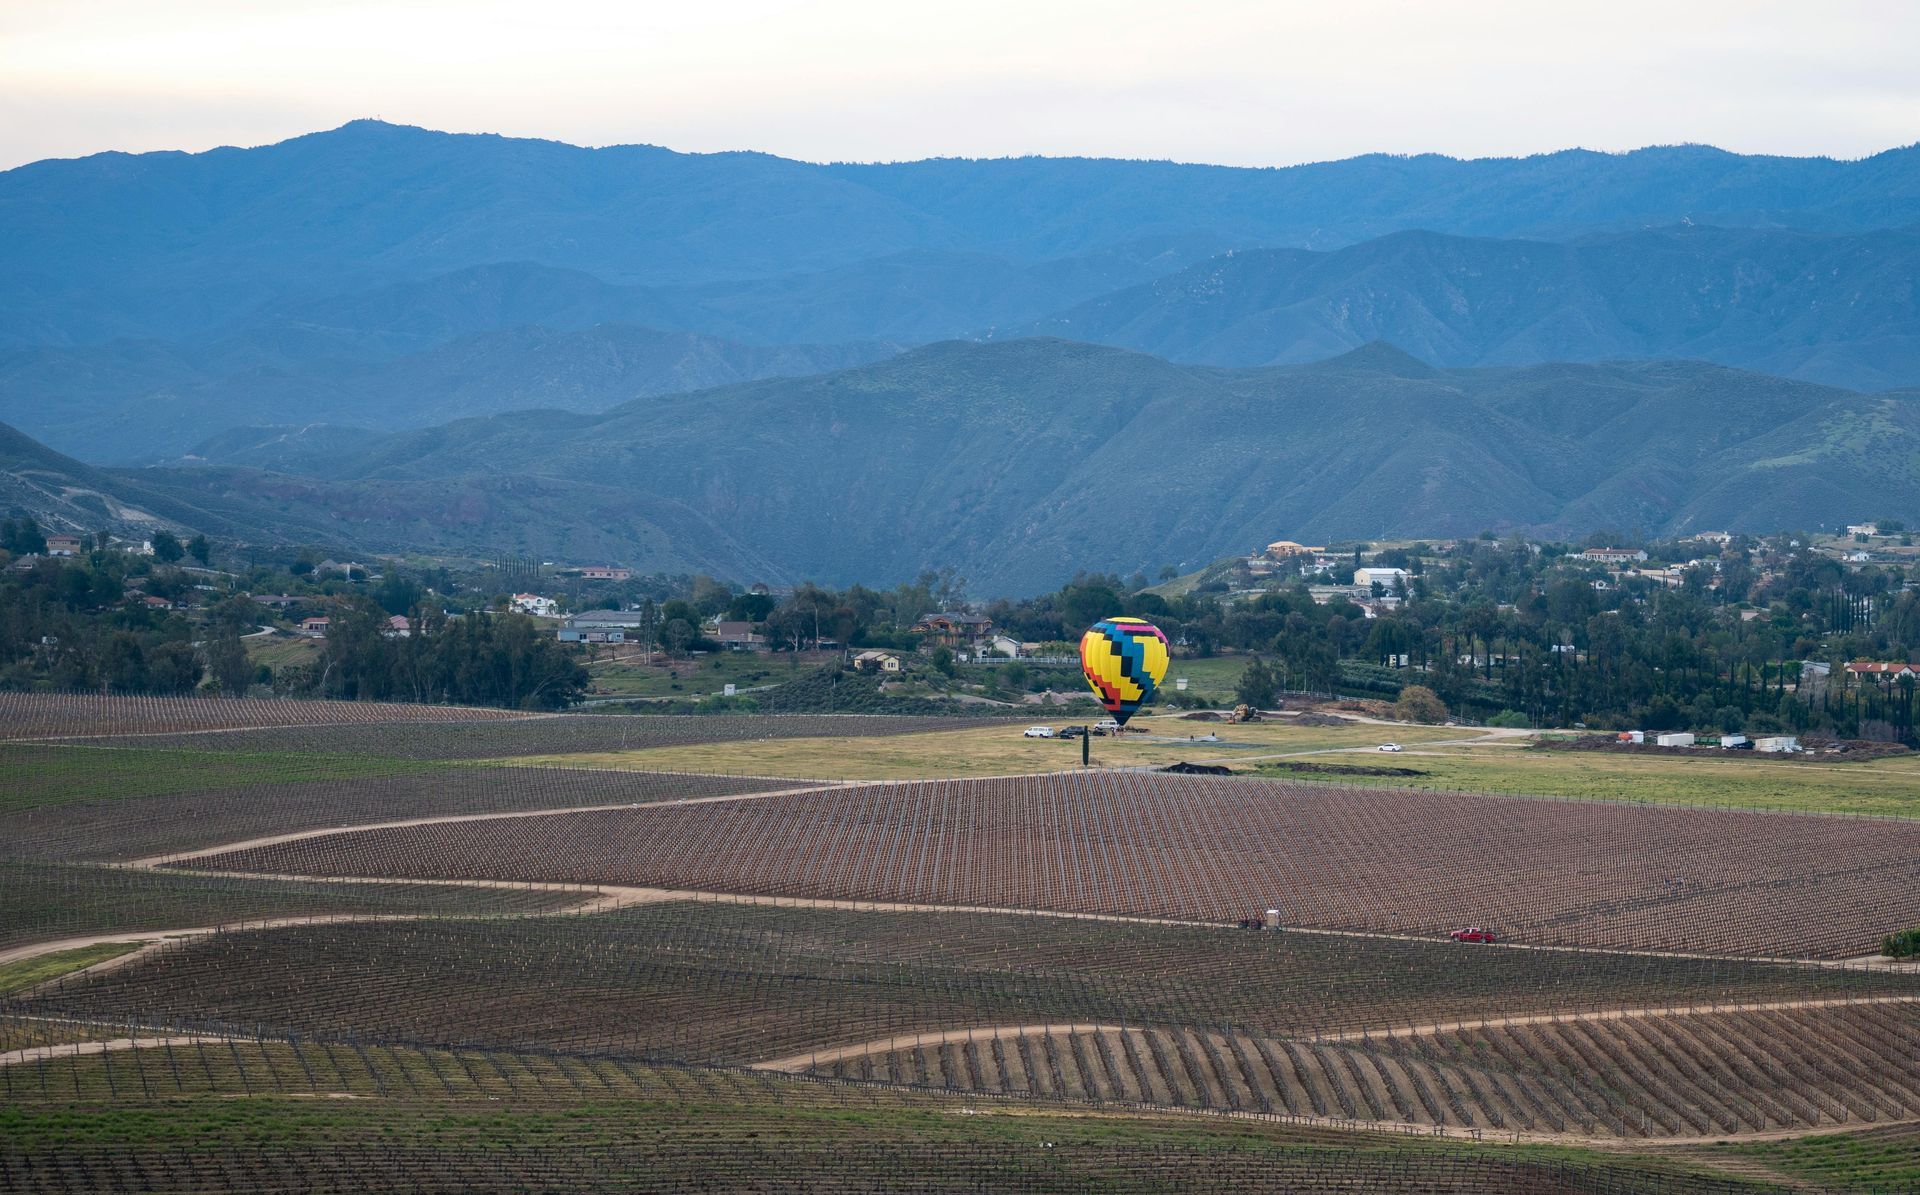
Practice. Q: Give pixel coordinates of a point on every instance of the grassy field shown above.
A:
(994, 750)
(1878, 1159)
(1883, 787)
(701, 676)
(17, 977)
(39, 775)
(284, 651)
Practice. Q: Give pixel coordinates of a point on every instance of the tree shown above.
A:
(227, 661)
(166, 546)
(173, 668)
(1418, 703)
(1258, 685)
(678, 635)
(200, 549)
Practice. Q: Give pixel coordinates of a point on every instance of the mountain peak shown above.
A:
(1378, 357)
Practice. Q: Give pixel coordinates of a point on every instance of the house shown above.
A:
(1723, 538)
(953, 630)
(1858, 556)
(151, 602)
(1387, 578)
(1617, 556)
(315, 628)
(736, 635)
(600, 626)
(1865, 668)
(1867, 529)
(606, 572)
(876, 661)
(1286, 549)
(63, 545)
(1004, 645)
(534, 604)
(398, 627)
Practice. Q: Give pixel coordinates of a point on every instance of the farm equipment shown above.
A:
(1244, 713)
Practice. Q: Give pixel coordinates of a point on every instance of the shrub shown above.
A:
(1419, 704)
(1512, 719)
(1903, 944)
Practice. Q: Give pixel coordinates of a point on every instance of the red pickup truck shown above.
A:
(1474, 933)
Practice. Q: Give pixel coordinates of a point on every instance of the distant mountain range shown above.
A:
(389, 277)
(1021, 462)
(390, 339)
(1837, 309)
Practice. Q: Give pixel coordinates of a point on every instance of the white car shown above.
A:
(1039, 732)
(1388, 747)
(1108, 725)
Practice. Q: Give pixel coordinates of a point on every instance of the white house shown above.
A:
(1614, 555)
(1863, 528)
(1386, 578)
(877, 661)
(1005, 645)
(534, 604)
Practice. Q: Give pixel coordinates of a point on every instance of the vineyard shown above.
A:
(510, 977)
(1651, 1076)
(551, 734)
(711, 981)
(432, 1121)
(117, 829)
(1210, 849)
(75, 715)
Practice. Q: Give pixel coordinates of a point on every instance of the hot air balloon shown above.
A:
(1124, 660)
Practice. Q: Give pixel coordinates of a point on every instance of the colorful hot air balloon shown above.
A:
(1125, 660)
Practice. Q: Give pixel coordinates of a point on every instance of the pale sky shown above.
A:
(1242, 82)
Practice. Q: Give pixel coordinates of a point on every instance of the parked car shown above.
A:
(1039, 732)
(1388, 747)
(1108, 725)
(1071, 732)
(1474, 933)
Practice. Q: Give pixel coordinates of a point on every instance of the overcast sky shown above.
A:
(1247, 82)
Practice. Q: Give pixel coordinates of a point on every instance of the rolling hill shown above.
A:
(1020, 462)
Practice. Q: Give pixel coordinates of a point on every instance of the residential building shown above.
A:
(398, 627)
(606, 572)
(534, 604)
(315, 627)
(1865, 668)
(736, 635)
(63, 545)
(1387, 578)
(1286, 549)
(953, 630)
(1005, 645)
(1618, 556)
(1868, 529)
(877, 661)
(278, 600)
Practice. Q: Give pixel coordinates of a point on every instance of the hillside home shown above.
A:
(1866, 668)
(534, 604)
(1004, 645)
(63, 545)
(1867, 529)
(1387, 578)
(953, 630)
(315, 628)
(876, 661)
(606, 572)
(1614, 556)
(1286, 549)
(398, 627)
(736, 635)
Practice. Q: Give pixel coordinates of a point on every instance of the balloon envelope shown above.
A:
(1125, 660)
